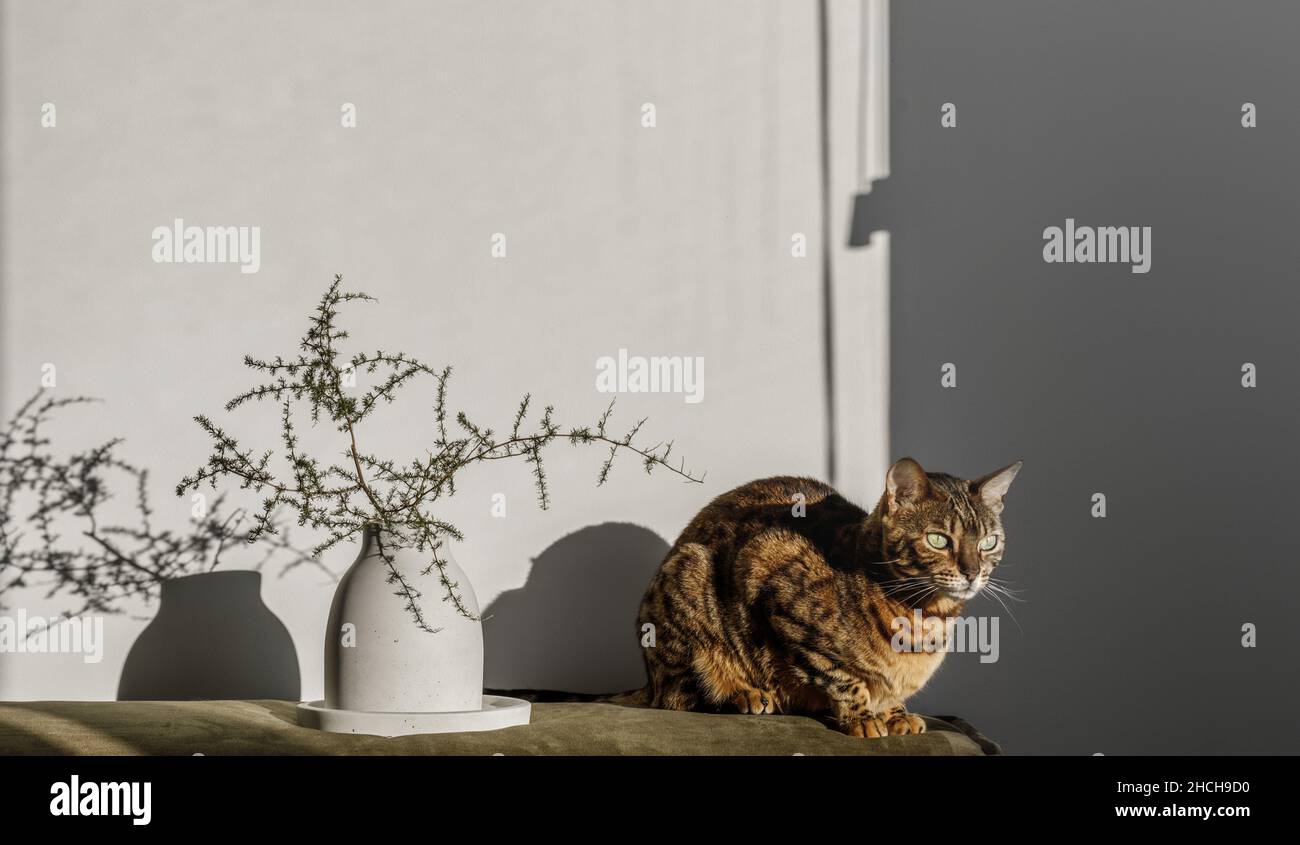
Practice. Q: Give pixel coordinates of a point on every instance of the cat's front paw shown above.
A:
(900, 722)
(756, 702)
(868, 727)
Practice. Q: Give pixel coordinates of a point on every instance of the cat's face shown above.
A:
(943, 534)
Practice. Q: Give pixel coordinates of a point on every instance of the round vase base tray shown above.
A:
(498, 711)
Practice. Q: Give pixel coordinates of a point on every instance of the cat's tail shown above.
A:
(629, 698)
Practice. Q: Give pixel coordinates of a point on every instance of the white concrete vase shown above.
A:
(377, 658)
(378, 662)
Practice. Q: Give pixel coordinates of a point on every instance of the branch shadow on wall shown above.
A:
(572, 625)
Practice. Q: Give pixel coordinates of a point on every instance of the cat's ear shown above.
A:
(992, 487)
(905, 484)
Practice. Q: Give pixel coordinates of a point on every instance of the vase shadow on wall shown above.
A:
(212, 638)
(572, 625)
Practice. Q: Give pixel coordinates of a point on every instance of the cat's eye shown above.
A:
(989, 543)
(937, 541)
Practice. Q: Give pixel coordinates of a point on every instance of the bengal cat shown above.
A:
(781, 595)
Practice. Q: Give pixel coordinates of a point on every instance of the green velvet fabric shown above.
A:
(270, 727)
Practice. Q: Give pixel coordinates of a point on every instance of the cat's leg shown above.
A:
(728, 681)
(675, 692)
(855, 709)
(756, 702)
(853, 702)
(817, 674)
(899, 722)
(672, 682)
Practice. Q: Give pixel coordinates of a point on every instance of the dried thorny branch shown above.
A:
(364, 490)
(56, 530)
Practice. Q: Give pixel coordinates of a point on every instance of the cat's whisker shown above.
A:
(905, 584)
(911, 579)
(921, 593)
(1008, 610)
(1002, 589)
(924, 597)
(907, 579)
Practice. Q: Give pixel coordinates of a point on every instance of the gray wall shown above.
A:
(1103, 380)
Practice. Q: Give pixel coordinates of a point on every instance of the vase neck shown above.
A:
(375, 534)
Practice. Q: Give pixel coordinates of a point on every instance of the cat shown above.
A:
(781, 596)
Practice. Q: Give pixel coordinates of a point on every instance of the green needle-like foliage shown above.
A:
(343, 496)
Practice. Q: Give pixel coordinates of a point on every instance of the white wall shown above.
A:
(474, 117)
